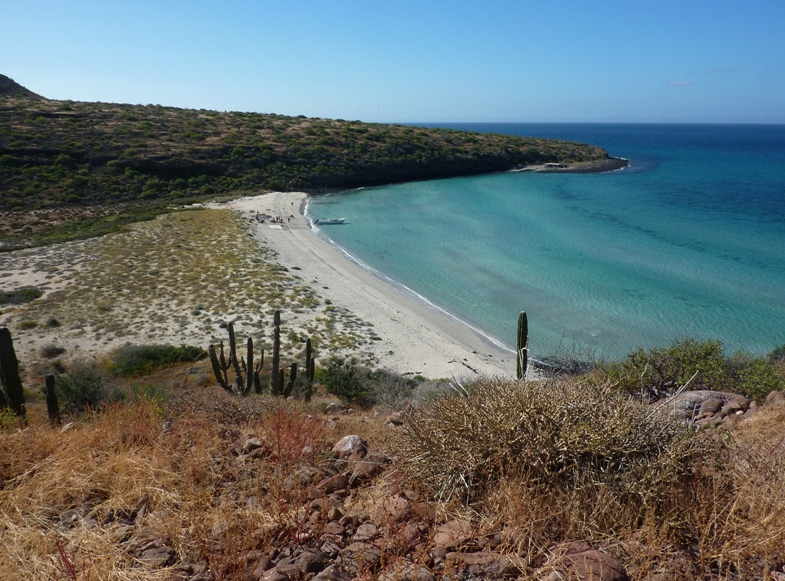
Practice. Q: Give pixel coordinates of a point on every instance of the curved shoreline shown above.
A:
(415, 337)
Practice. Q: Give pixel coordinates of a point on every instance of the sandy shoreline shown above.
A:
(175, 279)
(415, 338)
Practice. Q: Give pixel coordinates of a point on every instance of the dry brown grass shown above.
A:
(119, 480)
(546, 464)
(92, 497)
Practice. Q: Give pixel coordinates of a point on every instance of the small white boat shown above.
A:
(322, 221)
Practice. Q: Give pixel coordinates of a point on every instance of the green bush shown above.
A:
(20, 296)
(660, 371)
(139, 359)
(345, 379)
(777, 354)
(84, 386)
(51, 351)
(657, 373)
(567, 434)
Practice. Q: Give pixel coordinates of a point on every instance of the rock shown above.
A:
(333, 483)
(274, 575)
(709, 408)
(577, 560)
(157, 557)
(349, 445)
(405, 571)
(252, 444)
(311, 561)
(362, 555)
(68, 426)
(774, 398)
(368, 467)
(396, 419)
(452, 533)
(332, 573)
(365, 532)
(330, 549)
(394, 508)
(334, 528)
(687, 405)
(486, 564)
(335, 408)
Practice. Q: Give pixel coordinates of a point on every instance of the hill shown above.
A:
(56, 154)
(10, 87)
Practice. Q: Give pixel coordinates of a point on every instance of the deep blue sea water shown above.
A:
(687, 241)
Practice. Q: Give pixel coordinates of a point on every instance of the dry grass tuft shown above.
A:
(565, 434)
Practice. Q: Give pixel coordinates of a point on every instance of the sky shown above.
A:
(693, 61)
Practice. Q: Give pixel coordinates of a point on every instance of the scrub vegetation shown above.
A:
(66, 154)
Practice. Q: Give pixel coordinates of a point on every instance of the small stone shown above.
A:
(368, 467)
(334, 528)
(365, 532)
(252, 444)
(452, 533)
(395, 419)
(157, 557)
(333, 483)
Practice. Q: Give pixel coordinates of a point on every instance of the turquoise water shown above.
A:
(688, 241)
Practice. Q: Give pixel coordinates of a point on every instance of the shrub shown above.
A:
(29, 324)
(84, 386)
(51, 351)
(777, 355)
(567, 434)
(658, 372)
(345, 379)
(139, 359)
(754, 377)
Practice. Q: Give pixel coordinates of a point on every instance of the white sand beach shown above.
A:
(415, 338)
(175, 279)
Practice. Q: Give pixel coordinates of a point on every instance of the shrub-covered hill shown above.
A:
(58, 153)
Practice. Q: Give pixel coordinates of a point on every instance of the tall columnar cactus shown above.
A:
(52, 407)
(523, 345)
(249, 366)
(220, 366)
(9, 374)
(239, 386)
(277, 382)
(257, 374)
(292, 378)
(309, 361)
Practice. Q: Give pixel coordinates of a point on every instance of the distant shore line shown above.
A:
(602, 166)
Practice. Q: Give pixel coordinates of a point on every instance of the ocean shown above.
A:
(689, 241)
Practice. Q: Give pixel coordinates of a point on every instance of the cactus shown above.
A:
(309, 361)
(523, 345)
(292, 378)
(9, 375)
(277, 381)
(219, 366)
(238, 372)
(249, 366)
(52, 407)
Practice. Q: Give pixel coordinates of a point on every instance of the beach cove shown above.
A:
(176, 279)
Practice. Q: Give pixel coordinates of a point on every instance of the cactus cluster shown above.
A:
(279, 386)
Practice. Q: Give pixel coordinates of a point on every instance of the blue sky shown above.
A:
(410, 61)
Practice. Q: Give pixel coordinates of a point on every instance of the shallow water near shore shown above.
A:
(687, 241)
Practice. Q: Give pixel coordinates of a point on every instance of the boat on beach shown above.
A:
(323, 221)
